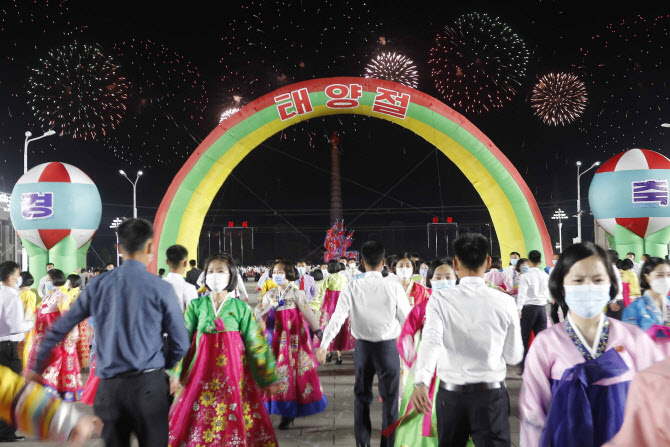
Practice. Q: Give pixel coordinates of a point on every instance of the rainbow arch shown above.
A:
(514, 211)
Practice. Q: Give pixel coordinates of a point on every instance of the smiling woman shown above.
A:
(513, 208)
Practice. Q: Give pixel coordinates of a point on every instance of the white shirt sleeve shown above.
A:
(190, 294)
(339, 316)
(513, 347)
(241, 289)
(403, 307)
(523, 291)
(15, 317)
(40, 289)
(431, 344)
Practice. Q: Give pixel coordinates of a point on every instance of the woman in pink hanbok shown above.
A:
(577, 372)
(220, 403)
(300, 393)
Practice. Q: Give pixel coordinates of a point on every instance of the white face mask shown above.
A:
(404, 272)
(440, 284)
(423, 272)
(301, 270)
(279, 278)
(325, 272)
(352, 266)
(587, 300)
(217, 282)
(661, 286)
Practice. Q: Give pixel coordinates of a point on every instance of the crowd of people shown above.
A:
(184, 360)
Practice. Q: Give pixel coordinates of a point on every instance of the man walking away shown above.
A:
(193, 274)
(377, 309)
(532, 300)
(471, 332)
(132, 309)
(176, 260)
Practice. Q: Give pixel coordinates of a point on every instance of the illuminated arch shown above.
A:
(514, 212)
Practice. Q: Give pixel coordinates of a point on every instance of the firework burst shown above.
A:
(393, 67)
(478, 63)
(559, 98)
(228, 113)
(77, 91)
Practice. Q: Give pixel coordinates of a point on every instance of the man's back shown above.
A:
(534, 287)
(479, 332)
(132, 309)
(193, 275)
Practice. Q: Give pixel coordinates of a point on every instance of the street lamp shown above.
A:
(29, 134)
(560, 216)
(579, 199)
(139, 174)
(115, 224)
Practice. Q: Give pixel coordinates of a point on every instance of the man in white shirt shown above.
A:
(352, 269)
(377, 310)
(305, 281)
(511, 268)
(616, 306)
(41, 291)
(532, 300)
(177, 261)
(637, 267)
(12, 330)
(471, 332)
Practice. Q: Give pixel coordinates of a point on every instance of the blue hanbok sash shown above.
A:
(583, 414)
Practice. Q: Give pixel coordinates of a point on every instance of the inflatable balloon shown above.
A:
(56, 210)
(629, 199)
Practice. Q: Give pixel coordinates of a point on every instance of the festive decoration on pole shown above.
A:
(629, 198)
(56, 210)
(337, 242)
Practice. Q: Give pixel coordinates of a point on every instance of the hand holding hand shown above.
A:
(32, 376)
(321, 355)
(86, 426)
(174, 385)
(272, 389)
(614, 307)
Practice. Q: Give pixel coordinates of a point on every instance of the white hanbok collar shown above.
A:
(593, 350)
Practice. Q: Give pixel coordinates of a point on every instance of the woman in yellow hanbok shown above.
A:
(29, 299)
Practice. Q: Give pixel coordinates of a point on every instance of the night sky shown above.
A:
(204, 51)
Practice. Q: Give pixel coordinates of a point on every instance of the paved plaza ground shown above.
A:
(335, 425)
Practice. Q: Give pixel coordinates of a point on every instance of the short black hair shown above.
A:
(401, 256)
(302, 260)
(134, 234)
(535, 256)
(289, 269)
(161, 272)
(471, 250)
(373, 253)
(7, 268)
(520, 264)
(613, 255)
(109, 263)
(630, 253)
(317, 274)
(75, 280)
(649, 265)
(334, 266)
(626, 264)
(434, 265)
(192, 262)
(572, 255)
(57, 277)
(232, 269)
(647, 255)
(514, 253)
(27, 279)
(496, 263)
(176, 254)
(343, 257)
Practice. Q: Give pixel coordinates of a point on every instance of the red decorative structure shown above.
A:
(337, 242)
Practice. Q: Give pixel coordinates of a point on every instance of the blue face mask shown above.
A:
(301, 270)
(525, 269)
(279, 278)
(587, 300)
(19, 282)
(49, 286)
(513, 261)
(441, 284)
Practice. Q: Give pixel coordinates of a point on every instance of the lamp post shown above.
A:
(139, 174)
(115, 224)
(29, 134)
(560, 216)
(579, 198)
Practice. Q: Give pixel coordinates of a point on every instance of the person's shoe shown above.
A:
(329, 357)
(338, 361)
(285, 422)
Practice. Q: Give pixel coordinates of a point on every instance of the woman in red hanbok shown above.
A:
(62, 378)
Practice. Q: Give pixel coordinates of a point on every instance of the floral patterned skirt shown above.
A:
(83, 348)
(91, 387)
(62, 378)
(343, 341)
(220, 403)
(300, 392)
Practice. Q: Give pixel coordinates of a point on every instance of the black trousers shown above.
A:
(484, 415)
(9, 357)
(137, 404)
(381, 358)
(554, 312)
(533, 318)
